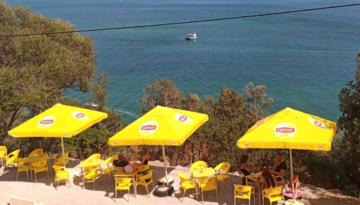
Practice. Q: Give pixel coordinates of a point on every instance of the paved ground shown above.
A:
(45, 192)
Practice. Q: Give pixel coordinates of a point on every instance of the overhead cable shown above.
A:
(183, 22)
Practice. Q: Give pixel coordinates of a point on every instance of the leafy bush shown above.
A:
(89, 142)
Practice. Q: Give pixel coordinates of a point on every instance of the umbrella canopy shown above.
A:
(290, 129)
(58, 121)
(160, 126)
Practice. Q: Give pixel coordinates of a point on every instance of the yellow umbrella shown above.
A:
(290, 129)
(160, 126)
(58, 121)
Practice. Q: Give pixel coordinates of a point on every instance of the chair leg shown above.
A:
(17, 175)
(147, 191)
(128, 195)
(27, 174)
(94, 183)
(202, 195)
(234, 200)
(115, 194)
(183, 196)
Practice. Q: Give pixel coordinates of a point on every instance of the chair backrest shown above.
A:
(3, 152)
(274, 191)
(12, 156)
(296, 183)
(109, 160)
(93, 158)
(223, 167)
(39, 165)
(184, 177)
(22, 162)
(198, 165)
(61, 172)
(20, 201)
(208, 184)
(242, 189)
(36, 152)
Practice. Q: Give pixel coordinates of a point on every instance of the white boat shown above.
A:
(191, 36)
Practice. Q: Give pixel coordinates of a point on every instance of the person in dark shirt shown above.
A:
(279, 168)
(121, 162)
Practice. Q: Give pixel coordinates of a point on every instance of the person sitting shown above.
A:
(246, 168)
(144, 157)
(279, 168)
(267, 180)
(124, 163)
(121, 162)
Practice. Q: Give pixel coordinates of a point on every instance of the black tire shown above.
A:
(160, 192)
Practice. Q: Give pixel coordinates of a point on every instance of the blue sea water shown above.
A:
(304, 59)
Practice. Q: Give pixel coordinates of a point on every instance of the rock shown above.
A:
(336, 191)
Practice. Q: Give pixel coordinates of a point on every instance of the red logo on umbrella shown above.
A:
(148, 127)
(46, 122)
(285, 130)
(79, 115)
(183, 118)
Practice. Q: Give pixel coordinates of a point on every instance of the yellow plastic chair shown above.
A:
(250, 183)
(61, 173)
(187, 183)
(11, 158)
(60, 161)
(274, 194)
(145, 180)
(279, 181)
(3, 154)
(23, 165)
(222, 171)
(36, 152)
(110, 168)
(142, 170)
(198, 165)
(208, 184)
(91, 174)
(94, 158)
(242, 192)
(123, 183)
(40, 166)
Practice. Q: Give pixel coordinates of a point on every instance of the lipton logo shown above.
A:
(183, 118)
(148, 127)
(320, 147)
(247, 144)
(285, 130)
(317, 123)
(79, 115)
(46, 122)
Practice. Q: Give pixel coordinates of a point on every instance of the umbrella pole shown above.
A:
(63, 151)
(292, 175)
(166, 175)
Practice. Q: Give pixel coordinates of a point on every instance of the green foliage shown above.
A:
(324, 172)
(230, 116)
(35, 70)
(89, 142)
(349, 124)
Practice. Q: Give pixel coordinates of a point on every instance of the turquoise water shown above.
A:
(304, 59)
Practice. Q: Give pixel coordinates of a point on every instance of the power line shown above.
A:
(184, 22)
